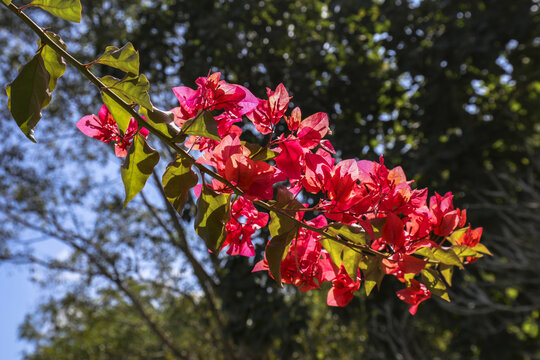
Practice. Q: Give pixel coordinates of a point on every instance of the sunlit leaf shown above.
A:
(125, 58)
(446, 272)
(203, 125)
(444, 256)
(163, 121)
(213, 212)
(66, 9)
(481, 248)
(132, 89)
(434, 283)
(54, 63)
(28, 94)
(140, 161)
(456, 235)
(352, 234)
(177, 180)
(463, 250)
(342, 254)
(121, 115)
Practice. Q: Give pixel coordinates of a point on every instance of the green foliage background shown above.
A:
(449, 90)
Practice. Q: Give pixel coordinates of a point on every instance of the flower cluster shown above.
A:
(104, 128)
(396, 230)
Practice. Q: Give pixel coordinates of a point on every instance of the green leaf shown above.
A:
(457, 234)
(120, 115)
(28, 94)
(446, 272)
(434, 283)
(343, 255)
(213, 212)
(54, 63)
(258, 153)
(7, 2)
(444, 256)
(283, 230)
(163, 121)
(177, 180)
(203, 125)
(352, 234)
(140, 161)
(481, 248)
(280, 224)
(132, 89)
(125, 58)
(69, 10)
(447, 256)
(372, 271)
(464, 250)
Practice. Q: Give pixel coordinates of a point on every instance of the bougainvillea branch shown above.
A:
(364, 221)
(84, 69)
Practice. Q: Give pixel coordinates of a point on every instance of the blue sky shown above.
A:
(19, 297)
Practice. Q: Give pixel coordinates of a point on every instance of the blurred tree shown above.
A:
(447, 89)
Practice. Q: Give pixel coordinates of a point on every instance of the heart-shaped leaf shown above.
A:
(132, 89)
(177, 180)
(125, 58)
(69, 10)
(213, 211)
(138, 166)
(28, 94)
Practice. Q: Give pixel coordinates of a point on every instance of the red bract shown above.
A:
(306, 265)
(312, 129)
(399, 265)
(245, 220)
(232, 160)
(290, 159)
(268, 112)
(444, 218)
(213, 94)
(383, 215)
(414, 295)
(317, 173)
(104, 128)
(471, 237)
(293, 121)
(343, 288)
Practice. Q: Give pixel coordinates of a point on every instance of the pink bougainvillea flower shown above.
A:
(213, 93)
(312, 129)
(232, 160)
(343, 288)
(306, 264)
(245, 220)
(294, 120)
(444, 218)
(399, 265)
(268, 112)
(121, 148)
(414, 295)
(104, 128)
(290, 159)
